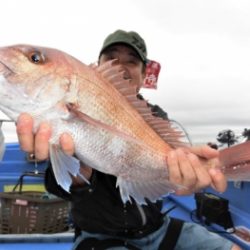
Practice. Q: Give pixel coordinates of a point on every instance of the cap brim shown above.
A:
(142, 57)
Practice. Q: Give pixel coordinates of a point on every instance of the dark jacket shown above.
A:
(98, 208)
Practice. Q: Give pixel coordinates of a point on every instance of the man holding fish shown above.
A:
(98, 211)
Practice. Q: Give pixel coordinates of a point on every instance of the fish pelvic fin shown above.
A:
(143, 191)
(64, 167)
(235, 162)
(115, 74)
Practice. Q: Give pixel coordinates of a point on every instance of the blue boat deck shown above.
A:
(60, 241)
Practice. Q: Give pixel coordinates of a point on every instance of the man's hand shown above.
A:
(195, 169)
(38, 143)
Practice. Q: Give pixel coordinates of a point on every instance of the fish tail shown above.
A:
(235, 162)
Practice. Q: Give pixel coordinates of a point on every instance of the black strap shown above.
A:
(168, 242)
(95, 244)
(172, 235)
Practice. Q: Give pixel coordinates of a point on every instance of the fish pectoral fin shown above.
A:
(140, 191)
(64, 167)
(113, 130)
(2, 144)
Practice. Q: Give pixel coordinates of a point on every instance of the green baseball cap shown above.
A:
(130, 38)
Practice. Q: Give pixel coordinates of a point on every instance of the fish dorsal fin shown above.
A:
(114, 74)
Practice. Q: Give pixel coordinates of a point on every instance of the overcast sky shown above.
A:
(203, 47)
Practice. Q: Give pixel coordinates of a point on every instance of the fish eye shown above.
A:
(36, 57)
